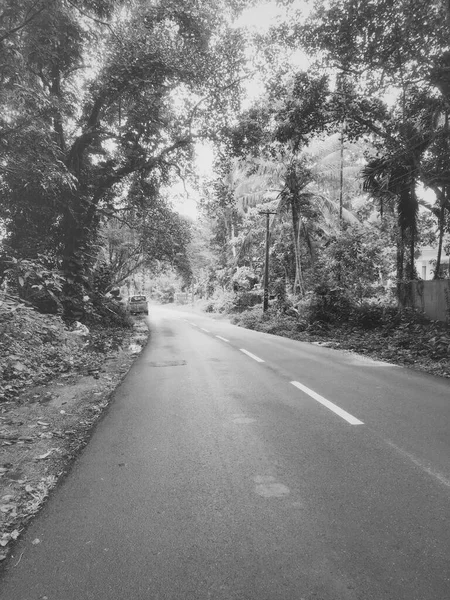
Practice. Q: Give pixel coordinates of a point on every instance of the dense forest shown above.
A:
(105, 103)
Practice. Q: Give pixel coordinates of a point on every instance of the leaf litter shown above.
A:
(39, 438)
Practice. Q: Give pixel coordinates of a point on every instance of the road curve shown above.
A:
(235, 465)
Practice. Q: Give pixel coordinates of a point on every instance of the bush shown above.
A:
(222, 301)
(35, 282)
(367, 316)
(329, 305)
(250, 319)
(109, 312)
(246, 300)
(272, 321)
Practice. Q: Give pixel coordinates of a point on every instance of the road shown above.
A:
(235, 465)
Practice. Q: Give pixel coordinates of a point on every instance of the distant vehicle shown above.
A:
(138, 304)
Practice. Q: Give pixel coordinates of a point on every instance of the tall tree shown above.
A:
(86, 121)
(393, 60)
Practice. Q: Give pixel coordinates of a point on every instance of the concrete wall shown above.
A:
(431, 297)
(426, 262)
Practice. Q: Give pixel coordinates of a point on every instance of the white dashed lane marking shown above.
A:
(333, 407)
(252, 355)
(268, 487)
(336, 409)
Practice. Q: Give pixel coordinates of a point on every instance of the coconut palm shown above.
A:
(393, 180)
(295, 186)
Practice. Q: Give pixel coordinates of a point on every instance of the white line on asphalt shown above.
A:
(251, 355)
(339, 411)
(420, 464)
(222, 338)
(203, 329)
(194, 324)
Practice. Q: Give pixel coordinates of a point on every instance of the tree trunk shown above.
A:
(441, 239)
(413, 232)
(412, 249)
(400, 254)
(298, 282)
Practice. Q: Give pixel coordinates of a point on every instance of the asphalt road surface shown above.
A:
(235, 465)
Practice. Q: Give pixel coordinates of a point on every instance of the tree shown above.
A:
(382, 48)
(80, 131)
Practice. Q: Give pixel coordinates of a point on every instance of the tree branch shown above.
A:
(99, 21)
(222, 89)
(25, 22)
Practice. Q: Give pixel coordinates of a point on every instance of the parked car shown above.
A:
(138, 304)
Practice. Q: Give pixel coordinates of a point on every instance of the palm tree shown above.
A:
(393, 180)
(296, 188)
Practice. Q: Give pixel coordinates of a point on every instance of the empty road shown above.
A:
(235, 465)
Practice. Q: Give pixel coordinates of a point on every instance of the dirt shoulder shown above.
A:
(46, 426)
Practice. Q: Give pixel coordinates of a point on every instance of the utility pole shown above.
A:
(341, 174)
(266, 263)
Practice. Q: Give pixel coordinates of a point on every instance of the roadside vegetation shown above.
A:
(401, 337)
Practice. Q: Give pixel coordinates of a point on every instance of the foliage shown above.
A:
(243, 279)
(392, 85)
(382, 332)
(147, 235)
(354, 262)
(35, 347)
(113, 103)
(37, 282)
(164, 286)
(222, 301)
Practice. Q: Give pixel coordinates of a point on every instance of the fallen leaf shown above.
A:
(18, 366)
(46, 455)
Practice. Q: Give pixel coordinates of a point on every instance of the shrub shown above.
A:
(367, 316)
(35, 282)
(246, 300)
(329, 305)
(222, 301)
(272, 321)
(243, 279)
(250, 319)
(109, 312)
